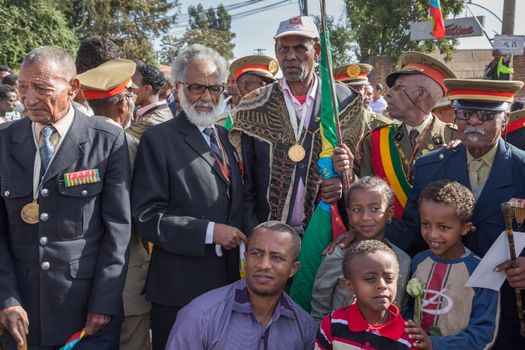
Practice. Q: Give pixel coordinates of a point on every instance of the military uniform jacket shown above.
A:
(178, 188)
(505, 181)
(74, 260)
(387, 153)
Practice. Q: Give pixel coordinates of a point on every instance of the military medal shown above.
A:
(296, 153)
(29, 213)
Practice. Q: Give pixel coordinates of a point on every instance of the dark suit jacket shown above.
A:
(178, 188)
(506, 180)
(256, 158)
(84, 238)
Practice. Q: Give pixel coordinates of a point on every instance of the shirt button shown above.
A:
(43, 240)
(7, 193)
(84, 192)
(44, 192)
(45, 265)
(44, 216)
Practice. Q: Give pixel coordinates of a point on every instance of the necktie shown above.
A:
(413, 137)
(214, 144)
(47, 149)
(474, 173)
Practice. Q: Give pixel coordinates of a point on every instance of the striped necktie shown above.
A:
(214, 144)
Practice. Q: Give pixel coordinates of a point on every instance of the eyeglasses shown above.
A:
(483, 116)
(200, 89)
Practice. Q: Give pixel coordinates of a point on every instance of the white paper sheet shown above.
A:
(484, 276)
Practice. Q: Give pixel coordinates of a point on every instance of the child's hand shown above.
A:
(421, 339)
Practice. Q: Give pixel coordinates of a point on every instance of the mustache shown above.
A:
(474, 130)
(204, 104)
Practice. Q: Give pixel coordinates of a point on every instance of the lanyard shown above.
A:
(224, 164)
(297, 131)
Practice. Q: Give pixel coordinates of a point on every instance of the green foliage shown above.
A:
(216, 39)
(381, 27)
(211, 27)
(28, 25)
(339, 34)
(131, 24)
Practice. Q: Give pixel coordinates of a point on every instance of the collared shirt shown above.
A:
(378, 106)
(224, 319)
(421, 127)
(346, 328)
(61, 126)
(298, 210)
(143, 110)
(484, 169)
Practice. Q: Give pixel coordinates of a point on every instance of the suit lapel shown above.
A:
(71, 148)
(498, 187)
(195, 139)
(24, 149)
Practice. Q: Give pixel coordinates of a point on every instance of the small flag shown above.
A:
(73, 340)
(438, 29)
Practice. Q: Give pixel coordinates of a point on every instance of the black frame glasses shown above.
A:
(200, 89)
(483, 115)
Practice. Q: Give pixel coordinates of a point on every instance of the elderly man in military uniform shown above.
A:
(251, 73)
(492, 169)
(107, 89)
(277, 133)
(64, 214)
(390, 151)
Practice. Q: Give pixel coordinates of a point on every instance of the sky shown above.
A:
(256, 31)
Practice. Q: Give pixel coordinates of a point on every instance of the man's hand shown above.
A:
(343, 241)
(515, 275)
(343, 159)
(95, 322)
(422, 340)
(227, 236)
(331, 190)
(9, 319)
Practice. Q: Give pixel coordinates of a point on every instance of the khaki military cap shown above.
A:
(479, 94)
(413, 62)
(353, 74)
(109, 79)
(264, 66)
(517, 115)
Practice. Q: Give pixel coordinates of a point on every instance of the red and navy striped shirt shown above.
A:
(346, 328)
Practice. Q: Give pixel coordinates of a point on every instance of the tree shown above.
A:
(130, 24)
(381, 27)
(26, 26)
(210, 27)
(339, 34)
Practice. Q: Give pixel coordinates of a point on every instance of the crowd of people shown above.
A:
(141, 210)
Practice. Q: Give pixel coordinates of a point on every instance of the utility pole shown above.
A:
(509, 13)
(303, 7)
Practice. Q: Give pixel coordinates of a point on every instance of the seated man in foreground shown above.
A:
(252, 312)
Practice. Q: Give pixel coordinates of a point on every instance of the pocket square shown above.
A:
(82, 177)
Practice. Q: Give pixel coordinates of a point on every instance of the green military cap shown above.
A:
(109, 79)
(261, 65)
(413, 62)
(353, 74)
(479, 94)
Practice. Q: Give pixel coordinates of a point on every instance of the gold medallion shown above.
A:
(425, 151)
(296, 153)
(30, 213)
(273, 67)
(430, 147)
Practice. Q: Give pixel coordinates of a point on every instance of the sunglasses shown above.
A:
(200, 89)
(484, 116)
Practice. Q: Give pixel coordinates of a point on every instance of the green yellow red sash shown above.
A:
(388, 166)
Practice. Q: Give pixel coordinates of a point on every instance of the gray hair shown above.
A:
(59, 60)
(284, 228)
(196, 53)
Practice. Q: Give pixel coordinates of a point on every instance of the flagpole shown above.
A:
(346, 180)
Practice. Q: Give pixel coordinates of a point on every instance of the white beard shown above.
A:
(200, 119)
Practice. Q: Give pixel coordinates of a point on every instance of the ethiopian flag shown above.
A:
(438, 29)
(318, 234)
